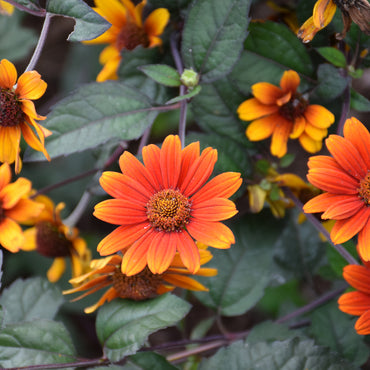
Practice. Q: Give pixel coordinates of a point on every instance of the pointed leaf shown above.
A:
(332, 55)
(359, 102)
(189, 95)
(163, 74)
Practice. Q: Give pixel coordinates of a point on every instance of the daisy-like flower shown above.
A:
(323, 13)
(15, 208)
(51, 238)
(283, 113)
(357, 302)
(345, 180)
(106, 272)
(6, 8)
(127, 32)
(18, 113)
(163, 205)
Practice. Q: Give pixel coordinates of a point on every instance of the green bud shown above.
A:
(189, 78)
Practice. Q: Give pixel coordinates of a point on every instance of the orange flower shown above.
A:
(106, 272)
(323, 13)
(127, 32)
(18, 114)
(345, 180)
(357, 302)
(282, 112)
(15, 208)
(51, 238)
(165, 203)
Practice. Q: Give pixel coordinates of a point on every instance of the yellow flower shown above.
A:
(323, 13)
(15, 208)
(51, 238)
(18, 113)
(6, 8)
(127, 32)
(106, 272)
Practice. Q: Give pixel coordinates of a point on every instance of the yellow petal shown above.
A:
(257, 198)
(24, 211)
(30, 86)
(309, 144)
(298, 127)
(11, 235)
(10, 138)
(252, 109)
(113, 11)
(29, 239)
(8, 74)
(12, 193)
(56, 270)
(156, 22)
(5, 175)
(307, 31)
(323, 13)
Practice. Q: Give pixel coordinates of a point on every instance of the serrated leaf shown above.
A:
(277, 42)
(35, 343)
(123, 326)
(89, 24)
(332, 55)
(335, 329)
(189, 95)
(293, 354)
(359, 102)
(213, 36)
(26, 300)
(244, 269)
(163, 74)
(94, 114)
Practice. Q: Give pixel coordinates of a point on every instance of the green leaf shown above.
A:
(35, 343)
(336, 261)
(30, 4)
(94, 114)
(89, 24)
(213, 36)
(359, 102)
(293, 354)
(277, 42)
(150, 361)
(335, 329)
(26, 300)
(244, 269)
(332, 55)
(189, 95)
(268, 331)
(163, 74)
(123, 325)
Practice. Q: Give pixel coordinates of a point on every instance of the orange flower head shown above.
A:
(15, 208)
(127, 32)
(345, 180)
(18, 114)
(323, 13)
(52, 238)
(282, 112)
(106, 272)
(163, 205)
(357, 302)
(6, 8)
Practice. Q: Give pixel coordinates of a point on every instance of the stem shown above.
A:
(40, 43)
(345, 107)
(76, 214)
(38, 13)
(144, 139)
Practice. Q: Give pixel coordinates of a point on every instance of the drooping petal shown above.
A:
(12, 193)
(308, 144)
(253, 108)
(323, 12)
(262, 128)
(290, 81)
(28, 107)
(30, 86)
(108, 296)
(266, 93)
(279, 142)
(184, 282)
(56, 270)
(32, 140)
(161, 252)
(8, 74)
(170, 161)
(188, 251)
(5, 175)
(11, 235)
(10, 138)
(308, 30)
(215, 209)
(24, 211)
(110, 68)
(354, 303)
(156, 22)
(358, 277)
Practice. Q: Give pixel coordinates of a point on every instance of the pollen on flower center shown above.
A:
(364, 191)
(11, 113)
(168, 210)
(130, 36)
(138, 287)
(294, 108)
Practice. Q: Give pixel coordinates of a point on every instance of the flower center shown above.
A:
(364, 191)
(138, 287)
(130, 36)
(11, 113)
(51, 242)
(168, 210)
(294, 108)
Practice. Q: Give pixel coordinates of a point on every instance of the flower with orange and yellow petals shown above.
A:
(282, 112)
(323, 13)
(15, 208)
(6, 8)
(18, 113)
(51, 238)
(357, 302)
(106, 272)
(127, 32)
(163, 205)
(345, 180)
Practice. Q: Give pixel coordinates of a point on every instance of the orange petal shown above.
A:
(363, 246)
(188, 251)
(184, 282)
(344, 208)
(11, 235)
(253, 108)
(30, 86)
(8, 74)
(5, 175)
(32, 140)
(309, 144)
(298, 127)
(189, 155)
(12, 193)
(317, 134)
(216, 209)
(108, 296)
(323, 201)
(156, 22)
(29, 243)
(161, 251)
(358, 277)
(56, 270)
(323, 13)
(151, 158)
(319, 116)
(262, 128)
(170, 161)
(284, 99)
(24, 211)
(354, 303)
(109, 71)
(10, 138)
(133, 12)
(290, 81)
(113, 11)
(362, 325)
(308, 30)
(279, 142)
(266, 93)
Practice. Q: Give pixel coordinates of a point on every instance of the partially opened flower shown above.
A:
(323, 13)
(128, 31)
(18, 113)
(15, 208)
(6, 8)
(345, 180)
(106, 272)
(163, 205)
(283, 113)
(357, 302)
(51, 238)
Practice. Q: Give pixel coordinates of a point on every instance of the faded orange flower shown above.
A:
(18, 113)
(345, 180)
(106, 272)
(127, 32)
(15, 208)
(163, 205)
